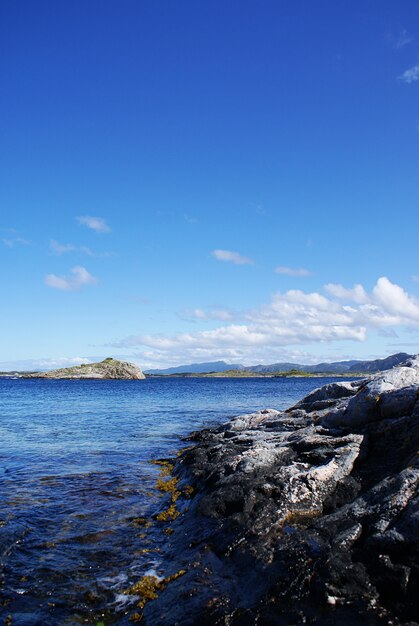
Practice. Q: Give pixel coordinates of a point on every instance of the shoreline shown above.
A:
(302, 515)
(209, 375)
(247, 374)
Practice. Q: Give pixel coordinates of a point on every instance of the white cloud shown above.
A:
(387, 305)
(232, 257)
(95, 223)
(289, 271)
(16, 241)
(356, 294)
(395, 300)
(292, 318)
(410, 75)
(79, 277)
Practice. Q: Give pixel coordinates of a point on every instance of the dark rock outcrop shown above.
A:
(308, 516)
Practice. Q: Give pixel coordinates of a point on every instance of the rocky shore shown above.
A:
(308, 516)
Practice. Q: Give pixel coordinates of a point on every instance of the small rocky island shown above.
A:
(107, 369)
(305, 516)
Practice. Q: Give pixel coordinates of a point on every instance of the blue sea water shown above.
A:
(75, 474)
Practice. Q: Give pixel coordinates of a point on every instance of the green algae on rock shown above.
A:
(148, 588)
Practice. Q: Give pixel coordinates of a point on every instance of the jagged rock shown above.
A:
(377, 394)
(326, 396)
(107, 369)
(304, 516)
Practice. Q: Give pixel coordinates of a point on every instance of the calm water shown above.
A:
(75, 472)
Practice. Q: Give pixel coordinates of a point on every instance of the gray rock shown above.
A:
(325, 396)
(375, 398)
(304, 516)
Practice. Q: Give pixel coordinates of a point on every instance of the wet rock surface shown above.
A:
(308, 516)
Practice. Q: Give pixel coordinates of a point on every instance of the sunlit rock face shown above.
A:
(107, 369)
(305, 516)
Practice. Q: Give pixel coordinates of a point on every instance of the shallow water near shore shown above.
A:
(75, 477)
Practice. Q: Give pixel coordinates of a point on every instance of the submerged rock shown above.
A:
(107, 369)
(305, 516)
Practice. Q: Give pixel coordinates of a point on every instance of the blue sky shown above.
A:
(190, 181)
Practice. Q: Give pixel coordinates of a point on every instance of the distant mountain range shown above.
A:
(199, 368)
(337, 367)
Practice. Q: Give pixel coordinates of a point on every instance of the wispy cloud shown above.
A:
(415, 278)
(209, 313)
(79, 277)
(411, 75)
(402, 39)
(232, 257)
(58, 249)
(292, 318)
(261, 210)
(97, 224)
(89, 252)
(16, 241)
(190, 219)
(290, 271)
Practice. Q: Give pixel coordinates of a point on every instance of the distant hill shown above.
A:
(336, 367)
(107, 369)
(380, 364)
(197, 368)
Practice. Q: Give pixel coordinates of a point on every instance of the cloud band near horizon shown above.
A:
(294, 318)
